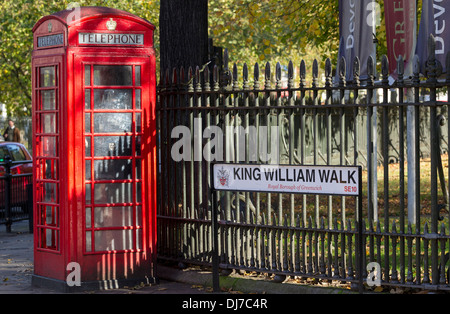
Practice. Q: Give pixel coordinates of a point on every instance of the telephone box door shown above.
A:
(47, 132)
(116, 98)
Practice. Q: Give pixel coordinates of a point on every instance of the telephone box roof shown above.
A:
(91, 12)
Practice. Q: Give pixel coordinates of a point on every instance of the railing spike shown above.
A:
(400, 66)
(290, 70)
(356, 67)
(278, 72)
(278, 75)
(356, 71)
(385, 67)
(431, 48)
(267, 71)
(315, 69)
(206, 79)
(256, 72)
(174, 76)
(206, 74)
(215, 74)
(190, 80)
(256, 76)
(302, 73)
(245, 72)
(182, 75)
(267, 76)
(342, 71)
(198, 86)
(290, 75)
(371, 67)
(167, 78)
(328, 69)
(416, 67)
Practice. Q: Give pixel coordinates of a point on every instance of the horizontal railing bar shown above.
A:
(182, 90)
(333, 106)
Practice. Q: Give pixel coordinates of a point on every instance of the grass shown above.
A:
(344, 208)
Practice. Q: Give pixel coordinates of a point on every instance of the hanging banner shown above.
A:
(400, 17)
(435, 20)
(356, 31)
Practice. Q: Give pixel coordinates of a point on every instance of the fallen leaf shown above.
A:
(378, 289)
(197, 287)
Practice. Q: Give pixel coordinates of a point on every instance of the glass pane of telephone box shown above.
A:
(113, 75)
(48, 122)
(87, 75)
(87, 170)
(51, 216)
(113, 240)
(50, 193)
(112, 146)
(49, 146)
(50, 169)
(51, 239)
(113, 122)
(47, 77)
(87, 143)
(87, 99)
(113, 169)
(137, 77)
(113, 99)
(120, 216)
(48, 100)
(110, 193)
(87, 122)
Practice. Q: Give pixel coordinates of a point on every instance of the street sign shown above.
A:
(329, 180)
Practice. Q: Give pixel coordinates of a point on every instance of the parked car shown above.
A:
(19, 155)
(21, 165)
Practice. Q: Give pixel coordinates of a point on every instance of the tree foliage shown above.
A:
(16, 42)
(253, 31)
(259, 31)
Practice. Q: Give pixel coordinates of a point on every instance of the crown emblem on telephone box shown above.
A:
(111, 25)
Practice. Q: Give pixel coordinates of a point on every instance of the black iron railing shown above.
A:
(396, 132)
(16, 195)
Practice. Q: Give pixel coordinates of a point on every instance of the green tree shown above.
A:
(253, 31)
(16, 42)
(267, 30)
(282, 30)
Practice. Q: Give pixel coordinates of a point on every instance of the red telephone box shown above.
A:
(94, 152)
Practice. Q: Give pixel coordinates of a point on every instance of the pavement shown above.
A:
(16, 270)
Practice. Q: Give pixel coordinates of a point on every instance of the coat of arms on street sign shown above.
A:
(223, 176)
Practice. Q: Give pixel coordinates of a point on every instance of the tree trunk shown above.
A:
(183, 33)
